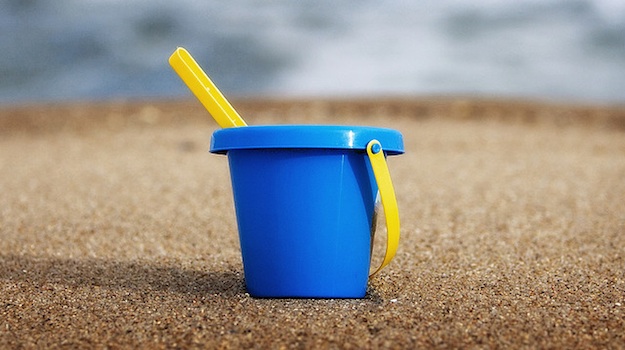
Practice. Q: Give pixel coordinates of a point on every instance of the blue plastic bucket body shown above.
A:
(304, 212)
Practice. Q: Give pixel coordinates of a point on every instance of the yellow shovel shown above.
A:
(203, 88)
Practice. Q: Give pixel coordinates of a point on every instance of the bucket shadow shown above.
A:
(129, 275)
(112, 274)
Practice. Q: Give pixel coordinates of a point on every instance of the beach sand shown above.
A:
(117, 229)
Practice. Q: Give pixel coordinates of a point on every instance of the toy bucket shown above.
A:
(305, 199)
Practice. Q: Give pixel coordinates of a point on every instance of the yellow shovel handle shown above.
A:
(203, 88)
(389, 202)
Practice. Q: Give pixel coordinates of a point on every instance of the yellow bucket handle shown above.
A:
(389, 201)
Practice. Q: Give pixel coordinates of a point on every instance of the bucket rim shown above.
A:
(305, 137)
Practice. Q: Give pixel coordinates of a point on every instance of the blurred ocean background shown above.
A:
(564, 50)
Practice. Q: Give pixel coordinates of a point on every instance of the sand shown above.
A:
(117, 229)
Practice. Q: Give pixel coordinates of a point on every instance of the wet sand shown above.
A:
(117, 229)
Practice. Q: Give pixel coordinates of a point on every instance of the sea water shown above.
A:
(571, 50)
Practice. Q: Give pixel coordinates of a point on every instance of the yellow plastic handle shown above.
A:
(203, 88)
(389, 201)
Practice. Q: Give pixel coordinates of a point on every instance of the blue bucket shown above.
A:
(305, 200)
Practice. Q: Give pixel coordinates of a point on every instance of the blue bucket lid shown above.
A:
(305, 136)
